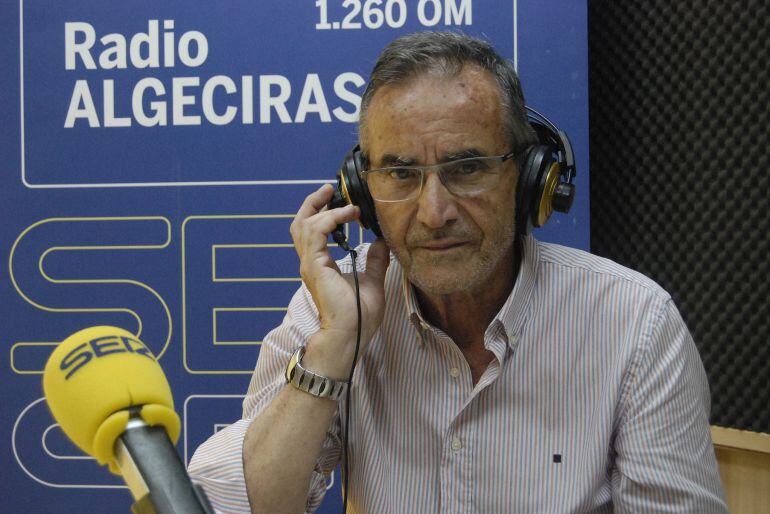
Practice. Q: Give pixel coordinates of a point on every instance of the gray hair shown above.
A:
(445, 53)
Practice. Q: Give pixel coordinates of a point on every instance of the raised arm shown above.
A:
(290, 440)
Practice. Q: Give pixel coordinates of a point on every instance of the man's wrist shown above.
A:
(311, 382)
(330, 354)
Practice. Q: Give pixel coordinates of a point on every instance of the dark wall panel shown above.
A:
(680, 148)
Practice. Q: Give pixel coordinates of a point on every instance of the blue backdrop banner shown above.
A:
(153, 154)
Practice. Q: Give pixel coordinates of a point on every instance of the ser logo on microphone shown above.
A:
(100, 347)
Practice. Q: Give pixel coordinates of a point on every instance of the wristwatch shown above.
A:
(310, 382)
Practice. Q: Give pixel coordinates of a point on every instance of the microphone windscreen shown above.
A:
(97, 372)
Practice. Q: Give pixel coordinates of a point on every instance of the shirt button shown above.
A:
(454, 372)
(456, 444)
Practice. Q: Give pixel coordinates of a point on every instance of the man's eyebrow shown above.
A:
(463, 154)
(389, 160)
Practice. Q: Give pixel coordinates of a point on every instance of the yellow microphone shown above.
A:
(111, 398)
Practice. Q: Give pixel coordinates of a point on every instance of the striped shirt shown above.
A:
(596, 401)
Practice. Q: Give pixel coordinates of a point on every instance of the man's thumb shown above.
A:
(378, 259)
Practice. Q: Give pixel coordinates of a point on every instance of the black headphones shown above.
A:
(546, 172)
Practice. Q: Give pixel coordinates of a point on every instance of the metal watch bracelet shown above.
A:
(312, 383)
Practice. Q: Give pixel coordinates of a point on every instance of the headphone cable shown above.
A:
(345, 471)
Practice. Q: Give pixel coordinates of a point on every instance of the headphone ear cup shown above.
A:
(538, 182)
(356, 191)
(530, 171)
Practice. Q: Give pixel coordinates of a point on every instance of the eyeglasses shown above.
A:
(462, 177)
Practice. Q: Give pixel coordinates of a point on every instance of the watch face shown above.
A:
(292, 365)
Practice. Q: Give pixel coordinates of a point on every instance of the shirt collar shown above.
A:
(516, 307)
(412, 307)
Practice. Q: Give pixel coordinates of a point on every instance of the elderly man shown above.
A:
(496, 373)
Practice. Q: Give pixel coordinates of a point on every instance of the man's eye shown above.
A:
(402, 174)
(467, 167)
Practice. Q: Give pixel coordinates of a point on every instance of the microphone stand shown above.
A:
(154, 473)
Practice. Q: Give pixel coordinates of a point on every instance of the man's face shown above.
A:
(445, 243)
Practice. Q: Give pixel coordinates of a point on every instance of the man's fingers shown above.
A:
(326, 221)
(313, 224)
(312, 220)
(320, 225)
(315, 201)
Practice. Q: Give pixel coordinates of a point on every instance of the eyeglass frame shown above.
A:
(423, 168)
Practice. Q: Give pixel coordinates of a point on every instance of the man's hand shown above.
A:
(330, 351)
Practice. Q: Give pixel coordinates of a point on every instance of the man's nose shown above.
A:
(437, 207)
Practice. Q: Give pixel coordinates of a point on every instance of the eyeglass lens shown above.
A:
(460, 177)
